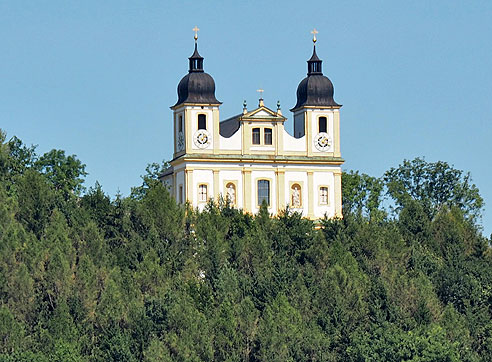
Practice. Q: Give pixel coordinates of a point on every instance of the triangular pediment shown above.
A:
(263, 112)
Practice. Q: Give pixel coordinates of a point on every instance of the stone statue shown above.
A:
(231, 194)
(296, 197)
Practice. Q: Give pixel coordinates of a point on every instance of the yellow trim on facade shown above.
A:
(336, 133)
(310, 213)
(338, 195)
(247, 190)
(189, 186)
(280, 176)
(216, 184)
(309, 132)
(216, 133)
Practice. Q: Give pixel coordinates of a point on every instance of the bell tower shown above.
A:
(316, 114)
(196, 113)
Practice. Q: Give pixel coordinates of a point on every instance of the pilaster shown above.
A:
(310, 190)
(247, 191)
(280, 176)
(216, 185)
(308, 119)
(338, 193)
(216, 134)
(336, 133)
(189, 186)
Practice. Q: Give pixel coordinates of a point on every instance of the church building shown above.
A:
(250, 158)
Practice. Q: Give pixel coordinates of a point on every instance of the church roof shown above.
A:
(229, 126)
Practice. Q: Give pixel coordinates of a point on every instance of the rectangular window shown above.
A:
(322, 124)
(202, 121)
(268, 136)
(323, 195)
(180, 124)
(202, 193)
(263, 192)
(180, 194)
(256, 136)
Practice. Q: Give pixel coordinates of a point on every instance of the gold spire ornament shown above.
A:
(196, 30)
(314, 32)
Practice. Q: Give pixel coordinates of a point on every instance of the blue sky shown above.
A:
(97, 78)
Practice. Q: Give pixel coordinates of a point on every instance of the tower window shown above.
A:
(202, 121)
(323, 195)
(263, 192)
(180, 194)
(202, 193)
(268, 136)
(322, 124)
(256, 136)
(180, 124)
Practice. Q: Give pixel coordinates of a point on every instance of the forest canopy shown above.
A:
(405, 275)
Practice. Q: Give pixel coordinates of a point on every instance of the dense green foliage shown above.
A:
(87, 278)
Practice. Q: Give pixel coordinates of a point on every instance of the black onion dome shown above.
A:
(197, 86)
(315, 89)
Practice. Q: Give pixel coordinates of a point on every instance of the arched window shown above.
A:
(322, 124)
(202, 193)
(268, 136)
(256, 136)
(231, 193)
(263, 192)
(202, 121)
(180, 124)
(295, 196)
(180, 194)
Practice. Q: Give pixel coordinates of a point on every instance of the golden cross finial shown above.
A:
(261, 92)
(314, 32)
(195, 29)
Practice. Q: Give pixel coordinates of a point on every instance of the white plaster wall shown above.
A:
(195, 111)
(255, 176)
(294, 144)
(232, 175)
(322, 178)
(329, 127)
(202, 177)
(232, 143)
(300, 177)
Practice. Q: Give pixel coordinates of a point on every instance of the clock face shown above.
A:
(202, 138)
(322, 141)
(180, 141)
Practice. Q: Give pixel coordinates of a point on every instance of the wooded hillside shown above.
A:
(406, 275)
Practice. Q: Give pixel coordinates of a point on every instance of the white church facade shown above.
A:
(250, 158)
